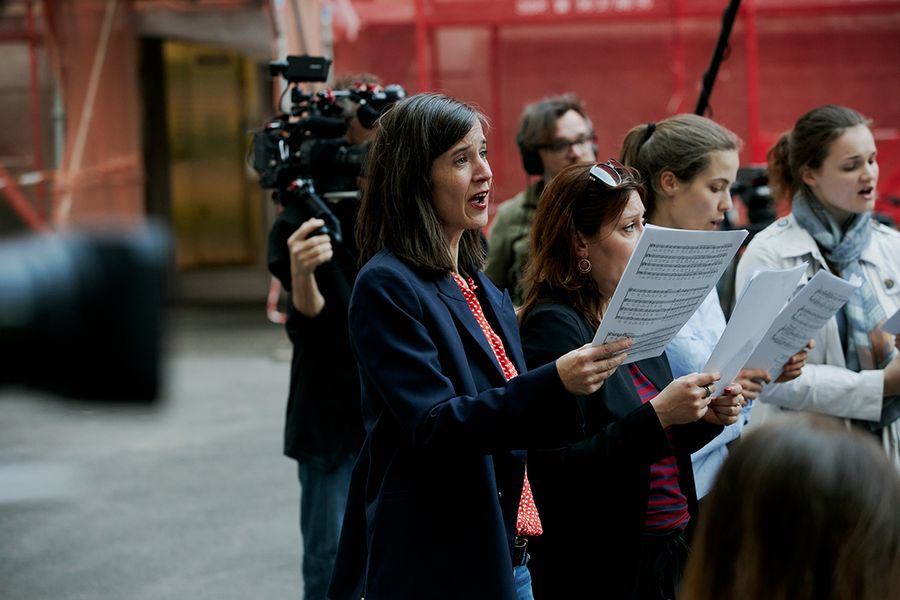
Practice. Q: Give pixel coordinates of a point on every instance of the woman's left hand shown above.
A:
(726, 409)
(752, 382)
(794, 365)
(584, 369)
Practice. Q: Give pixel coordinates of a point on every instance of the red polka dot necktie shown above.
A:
(527, 522)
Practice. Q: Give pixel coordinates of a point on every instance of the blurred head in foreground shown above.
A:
(802, 509)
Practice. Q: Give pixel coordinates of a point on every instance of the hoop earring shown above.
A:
(584, 266)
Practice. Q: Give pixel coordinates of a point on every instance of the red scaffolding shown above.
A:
(29, 170)
(641, 60)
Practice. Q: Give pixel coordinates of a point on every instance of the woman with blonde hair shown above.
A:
(689, 164)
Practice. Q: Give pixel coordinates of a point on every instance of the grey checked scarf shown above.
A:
(867, 346)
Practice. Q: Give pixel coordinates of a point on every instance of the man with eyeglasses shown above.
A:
(553, 134)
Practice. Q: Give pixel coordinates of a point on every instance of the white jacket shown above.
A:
(826, 385)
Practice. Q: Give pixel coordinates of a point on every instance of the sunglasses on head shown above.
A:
(608, 173)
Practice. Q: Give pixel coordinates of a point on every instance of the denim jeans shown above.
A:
(323, 497)
(523, 582)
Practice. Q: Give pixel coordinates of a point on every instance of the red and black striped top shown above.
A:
(667, 508)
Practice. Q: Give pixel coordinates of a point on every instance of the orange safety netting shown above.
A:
(93, 46)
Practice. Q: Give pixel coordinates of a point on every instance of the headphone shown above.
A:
(531, 160)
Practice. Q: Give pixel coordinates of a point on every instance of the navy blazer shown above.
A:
(436, 487)
(592, 493)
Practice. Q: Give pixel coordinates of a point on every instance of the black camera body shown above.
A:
(311, 147)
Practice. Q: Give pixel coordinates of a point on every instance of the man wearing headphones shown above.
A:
(553, 134)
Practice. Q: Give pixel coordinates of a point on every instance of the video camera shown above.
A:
(303, 152)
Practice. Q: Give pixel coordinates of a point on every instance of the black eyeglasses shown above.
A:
(608, 173)
(560, 146)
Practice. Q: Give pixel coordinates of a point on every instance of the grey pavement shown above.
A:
(191, 498)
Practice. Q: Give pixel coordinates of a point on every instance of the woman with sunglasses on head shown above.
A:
(689, 164)
(827, 166)
(439, 494)
(614, 504)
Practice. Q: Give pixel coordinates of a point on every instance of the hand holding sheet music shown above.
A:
(667, 278)
(761, 301)
(801, 320)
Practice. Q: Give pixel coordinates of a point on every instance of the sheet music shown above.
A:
(801, 320)
(669, 274)
(760, 303)
(892, 325)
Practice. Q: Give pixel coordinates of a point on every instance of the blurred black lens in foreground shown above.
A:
(81, 312)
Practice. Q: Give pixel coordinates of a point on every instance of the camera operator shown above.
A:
(316, 266)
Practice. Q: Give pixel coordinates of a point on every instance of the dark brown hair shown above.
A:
(537, 126)
(681, 144)
(572, 203)
(807, 145)
(802, 509)
(397, 211)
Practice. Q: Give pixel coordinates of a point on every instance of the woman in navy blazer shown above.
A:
(615, 504)
(436, 488)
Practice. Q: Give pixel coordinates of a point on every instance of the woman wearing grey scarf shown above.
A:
(827, 165)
